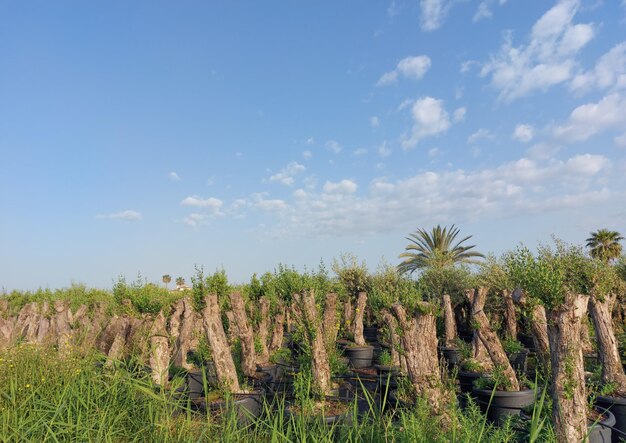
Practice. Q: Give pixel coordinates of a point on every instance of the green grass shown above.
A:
(48, 396)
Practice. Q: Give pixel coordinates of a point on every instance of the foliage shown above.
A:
(353, 276)
(605, 245)
(389, 286)
(145, 298)
(384, 359)
(436, 249)
(451, 280)
(493, 274)
(512, 346)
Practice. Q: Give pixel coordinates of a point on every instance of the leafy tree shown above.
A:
(167, 279)
(180, 281)
(605, 245)
(438, 248)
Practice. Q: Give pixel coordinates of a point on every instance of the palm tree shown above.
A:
(436, 249)
(180, 281)
(605, 245)
(167, 279)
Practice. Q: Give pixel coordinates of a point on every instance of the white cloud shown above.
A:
(609, 72)
(286, 176)
(384, 150)
(523, 133)
(173, 176)
(334, 146)
(413, 67)
(405, 104)
(483, 11)
(459, 114)
(593, 118)
(432, 13)
(345, 186)
(481, 134)
(194, 219)
(211, 203)
(307, 155)
(547, 60)
(433, 152)
(429, 119)
(467, 65)
(543, 151)
(310, 141)
(269, 205)
(374, 122)
(359, 152)
(620, 140)
(127, 215)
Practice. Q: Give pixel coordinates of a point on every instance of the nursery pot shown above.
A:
(195, 383)
(387, 377)
(518, 360)
(527, 341)
(247, 407)
(617, 406)
(360, 356)
(467, 379)
(371, 334)
(452, 356)
(601, 431)
(503, 403)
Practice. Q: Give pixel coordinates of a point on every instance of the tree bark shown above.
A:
(348, 315)
(491, 341)
(278, 331)
(185, 336)
(479, 352)
(313, 327)
(359, 339)
(248, 354)
(222, 358)
(419, 341)
(538, 325)
(569, 399)
(331, 326)
(233, 330)
(392, 326)
(511, 317)
(263, 333)
(585, 338)
(612, 369)
(449, 322)
(159, 350)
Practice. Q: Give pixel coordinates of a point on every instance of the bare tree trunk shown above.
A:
(538, 325)
(392, 326)
(159, 350)
(185, 337)
(449, 322)
(359, 339)
(491, 341)
(264, 311)
(277, 331)
(313, 327)
(331, 326)
(569, 411)
(248, 355)
(612, 369)
(348, 315)
(585, 338)
(479, 352)
(233, 330)
(223, 359)
(419, 341)
(511, 317)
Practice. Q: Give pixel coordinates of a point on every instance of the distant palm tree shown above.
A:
(167, 279)
(436, 249)
(605, 245)
(180, 281)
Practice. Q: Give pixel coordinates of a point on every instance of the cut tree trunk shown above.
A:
(359, 339)
(248, 354)
(233, 330)
(479, 352)
(538, 325)
(419, 341)
(569, 411)
(313, 327)
(511, 317)
(331, 326)
(612, 369)
(449, 322)
(185, 336)
(278, 331)
(392, 326)
(490, 339)
(348, 315)
(585, 337)
(159, 350)
(222, 358)
(263, 333)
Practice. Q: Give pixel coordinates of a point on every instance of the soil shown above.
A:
(594, 416)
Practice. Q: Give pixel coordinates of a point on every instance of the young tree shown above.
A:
(605, 245)
(166, 279)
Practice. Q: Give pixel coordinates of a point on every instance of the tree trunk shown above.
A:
(448, 321)
(569, 411)
(511, 317)
(278, 331)
(331, 326)
(392, 326)
(159, 350)
(491, 341)
(419, 341)
(233, 330)
(359, 339)
(585, 338)
(320, 366)
(248, 355)
(185, 337)
(538, 326)
(612, 369)
(479, 352)
(222, 358)
(263, 333)
(348, 315)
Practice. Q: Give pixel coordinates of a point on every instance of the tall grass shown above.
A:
(46, 395)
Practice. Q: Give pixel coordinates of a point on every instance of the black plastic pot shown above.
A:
(387, 377)
(342, 344)
(503, 403)
(617, 406)
(247, 407)
(527, 341)
(518, 360)
(364, 381)
(195, 382)
(371, 334)
(601, 432)
(452, 356)
(466, 380)
(360, 356)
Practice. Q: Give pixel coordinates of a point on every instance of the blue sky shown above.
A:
(151, 136)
